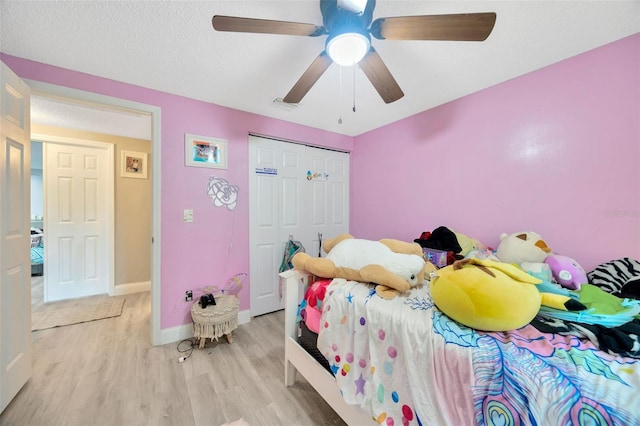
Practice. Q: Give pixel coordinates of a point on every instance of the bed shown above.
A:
(37, 252)
(404, 362)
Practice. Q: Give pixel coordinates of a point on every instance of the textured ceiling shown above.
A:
(170, 46)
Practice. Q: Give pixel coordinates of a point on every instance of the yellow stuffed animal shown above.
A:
(394, 265)
(492, 296)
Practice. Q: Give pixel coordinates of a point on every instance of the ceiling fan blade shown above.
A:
(265, 26)
(457, 27)
(380, 76)
(308, 79)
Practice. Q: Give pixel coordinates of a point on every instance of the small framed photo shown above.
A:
(201, 151)
(134, 164)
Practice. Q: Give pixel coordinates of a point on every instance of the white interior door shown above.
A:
(78, 187)
(295, 191)
(15, 263)
(276, 209)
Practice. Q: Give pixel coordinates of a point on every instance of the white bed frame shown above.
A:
(298, 359)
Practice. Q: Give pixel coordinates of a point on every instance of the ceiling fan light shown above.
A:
(348, 49)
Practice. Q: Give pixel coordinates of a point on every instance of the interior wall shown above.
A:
(132, 216)
(556, 151)
(133, 200)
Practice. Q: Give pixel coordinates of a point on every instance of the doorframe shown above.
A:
(52, 90)
(45, 138)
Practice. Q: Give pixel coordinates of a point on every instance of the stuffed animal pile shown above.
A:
(493, 291)
(481, 288)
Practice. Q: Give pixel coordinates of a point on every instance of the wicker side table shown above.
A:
(215, 320)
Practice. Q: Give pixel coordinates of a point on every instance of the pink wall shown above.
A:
(556, 151)
(196, 254)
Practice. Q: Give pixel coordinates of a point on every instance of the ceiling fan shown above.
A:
(347, 23)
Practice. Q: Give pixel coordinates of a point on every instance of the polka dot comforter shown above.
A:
(407, 363)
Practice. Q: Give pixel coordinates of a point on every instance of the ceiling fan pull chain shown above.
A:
(340, 101)
(354, 88)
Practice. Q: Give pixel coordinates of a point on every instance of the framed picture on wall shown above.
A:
(133, 164)
(201, 151)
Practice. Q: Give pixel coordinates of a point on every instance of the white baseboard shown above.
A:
(244, 317)
(185, 331)
(130, 288)
(174, 334)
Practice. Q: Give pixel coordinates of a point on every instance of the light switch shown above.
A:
(188, 215)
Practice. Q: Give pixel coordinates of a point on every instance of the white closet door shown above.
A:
(296, 191)
(276, 211)
(328, 196)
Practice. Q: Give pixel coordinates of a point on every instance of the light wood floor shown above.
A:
(107, 373)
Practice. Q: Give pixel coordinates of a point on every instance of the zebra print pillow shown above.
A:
(619, 277)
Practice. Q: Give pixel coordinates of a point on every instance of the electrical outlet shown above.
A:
(188, 295)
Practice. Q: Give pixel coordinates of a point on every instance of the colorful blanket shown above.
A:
(407, 363)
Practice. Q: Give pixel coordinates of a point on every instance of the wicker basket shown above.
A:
(216, 320)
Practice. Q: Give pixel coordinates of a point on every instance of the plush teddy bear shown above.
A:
(522, 247)
(492, 296)
(394, 265)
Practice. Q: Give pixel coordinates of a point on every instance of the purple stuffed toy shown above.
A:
(566, 271)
